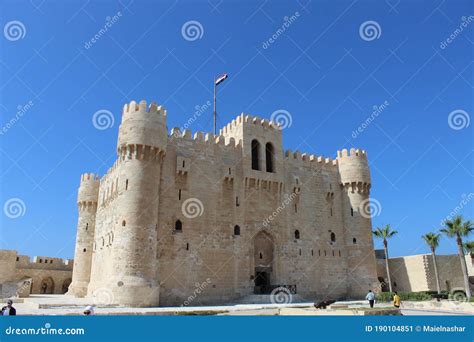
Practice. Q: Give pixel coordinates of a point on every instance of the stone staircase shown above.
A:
(267, 299)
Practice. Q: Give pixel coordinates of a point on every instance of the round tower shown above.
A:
(356, 205)
(87, 204)
(141, 146)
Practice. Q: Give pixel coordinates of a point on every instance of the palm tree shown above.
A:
(469, 248)
(384, 233)
(432, 240)
(458, 228)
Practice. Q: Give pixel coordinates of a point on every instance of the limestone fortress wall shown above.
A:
(228, 215)
(21, 276)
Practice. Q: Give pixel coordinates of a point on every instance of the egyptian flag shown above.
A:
(221, 78)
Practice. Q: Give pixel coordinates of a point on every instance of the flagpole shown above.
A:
(215, 112)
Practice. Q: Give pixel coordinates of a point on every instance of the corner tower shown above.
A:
(87, 204)
(141, 146)
(355, 182)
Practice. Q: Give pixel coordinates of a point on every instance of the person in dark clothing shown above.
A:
(9, 310)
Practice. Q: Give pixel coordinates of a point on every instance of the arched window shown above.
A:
(354, 241)
(124, 223)
(297, 234)
(87, 226)
(126, 184)
(255, 155)
(333, 237)
(236, 230)
(178, 225)
(269, 157)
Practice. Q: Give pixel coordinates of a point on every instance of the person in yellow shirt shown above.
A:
(396, 300)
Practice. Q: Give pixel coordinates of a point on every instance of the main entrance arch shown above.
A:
(264, 246)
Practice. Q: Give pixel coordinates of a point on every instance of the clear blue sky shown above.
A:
(319, 69)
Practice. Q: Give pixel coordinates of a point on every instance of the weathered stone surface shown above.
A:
(297, 220)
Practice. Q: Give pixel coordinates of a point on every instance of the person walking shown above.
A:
(396, 300)
(371, 298)
(9, 310)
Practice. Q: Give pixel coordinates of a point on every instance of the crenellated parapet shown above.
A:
(309, 159)
(88, 193)
(245, 119)
(204, 138)
(143, 128)
(354, 170)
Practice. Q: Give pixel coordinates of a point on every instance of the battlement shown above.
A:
(354, 167)
(305, 158)
(24, 261)
(246, 119)
(142, 107)
(89, 177)
(352, 153)
(88, 190)
(202, 137)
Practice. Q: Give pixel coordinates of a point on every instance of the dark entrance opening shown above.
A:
(262, 279)
(262, 282)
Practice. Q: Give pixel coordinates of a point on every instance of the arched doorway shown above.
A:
(66, 284)
(47, 286)
(263, 260)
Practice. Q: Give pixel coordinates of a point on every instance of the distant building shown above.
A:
(19, 276)
(415, 273)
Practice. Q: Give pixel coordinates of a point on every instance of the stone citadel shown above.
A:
(233, 212)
